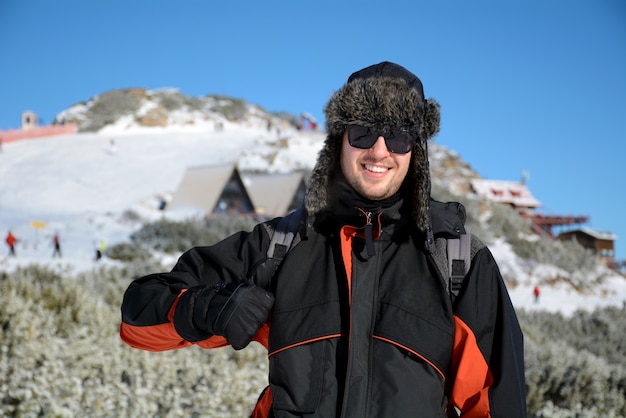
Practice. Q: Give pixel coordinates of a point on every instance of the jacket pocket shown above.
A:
(411, 384)
(297, 377)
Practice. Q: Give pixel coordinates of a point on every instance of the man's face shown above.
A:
(375, 173)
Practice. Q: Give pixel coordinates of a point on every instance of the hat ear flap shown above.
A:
(419, 182)
(328, 162)
(432, 117)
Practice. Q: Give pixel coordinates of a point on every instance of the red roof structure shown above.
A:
(517, 195)
(513, 193)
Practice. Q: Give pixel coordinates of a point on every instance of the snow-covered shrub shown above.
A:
(568, 255)
(601, 332)
(504, 221)
(178, 236)
(170, 99)
(170, 236)
(219, 227)
(575, 366)
(128, 252)
(573, 382)
(232, 109)
(61, 356)
(109, 106)
(130, 215)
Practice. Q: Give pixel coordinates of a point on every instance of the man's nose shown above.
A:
(380, 146)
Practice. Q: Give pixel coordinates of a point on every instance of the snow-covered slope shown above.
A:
(82, 185)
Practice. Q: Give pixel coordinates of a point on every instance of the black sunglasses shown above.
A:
(398, 140)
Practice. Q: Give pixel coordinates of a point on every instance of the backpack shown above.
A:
(282, 241)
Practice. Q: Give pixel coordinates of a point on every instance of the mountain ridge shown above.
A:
(165, 107)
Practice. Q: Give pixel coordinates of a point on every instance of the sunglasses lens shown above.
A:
(361, 137)
(399, 142)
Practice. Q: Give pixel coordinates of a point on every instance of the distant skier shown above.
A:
(56, 242)
(536, 294)
(11, 240)
(100, 250)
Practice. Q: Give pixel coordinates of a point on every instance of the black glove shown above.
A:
(242, 308)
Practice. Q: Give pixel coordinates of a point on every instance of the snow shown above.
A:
(82, 185)
(559, 296)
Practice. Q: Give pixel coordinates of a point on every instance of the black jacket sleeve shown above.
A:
(150, 302)
(489, 349)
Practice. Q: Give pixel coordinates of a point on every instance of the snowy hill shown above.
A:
(133, 108)
(82, 185)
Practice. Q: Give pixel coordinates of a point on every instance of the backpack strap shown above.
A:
(459, 260)
(281, 241)
(283, 235)
(459, 253)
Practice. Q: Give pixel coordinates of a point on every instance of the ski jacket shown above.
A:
(356, 334)
(10, 240)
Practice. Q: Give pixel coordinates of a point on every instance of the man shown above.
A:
(56, 243)
(358, 321)
(11, 240)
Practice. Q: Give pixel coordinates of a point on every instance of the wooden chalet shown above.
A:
(215, 189)
(600, 243)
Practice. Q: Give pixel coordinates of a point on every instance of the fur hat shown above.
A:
(384, 95)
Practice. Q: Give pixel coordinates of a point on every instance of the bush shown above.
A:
(178, 236)
(232, 109)
(601, 332)
(130, 215)
(569, 256)
(170, 99)
(194, 103)
(575, 366)
(61, 356)
(110, 106)
(506, 222)
(128, 252)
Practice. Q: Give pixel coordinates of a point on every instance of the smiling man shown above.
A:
(359, 321)
(374, 172)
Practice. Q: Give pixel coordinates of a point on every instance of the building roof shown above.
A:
(501, 191)
(604, 235)
(274, 194)
(203, 186)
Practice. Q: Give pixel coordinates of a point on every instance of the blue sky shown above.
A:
(526, 85)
